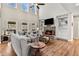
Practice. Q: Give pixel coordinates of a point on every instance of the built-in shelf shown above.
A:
(24, 27)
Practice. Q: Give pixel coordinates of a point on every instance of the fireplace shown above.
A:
(49, 32)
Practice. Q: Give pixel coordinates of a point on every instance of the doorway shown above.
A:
(76, 27)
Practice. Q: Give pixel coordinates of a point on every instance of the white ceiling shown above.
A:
(54, 9)
(71, 7)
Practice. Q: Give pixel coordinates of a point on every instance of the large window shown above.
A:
(12, 5)
(33, 8)
(25, 7)
(0, 5)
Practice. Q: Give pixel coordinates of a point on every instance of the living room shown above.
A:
(38, 29)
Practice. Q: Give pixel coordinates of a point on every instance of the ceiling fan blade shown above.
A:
(41, 4)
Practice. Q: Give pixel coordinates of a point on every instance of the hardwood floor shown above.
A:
(61, 48)
(53, 48)
(6, 50)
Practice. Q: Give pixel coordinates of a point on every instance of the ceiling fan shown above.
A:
(41, 3)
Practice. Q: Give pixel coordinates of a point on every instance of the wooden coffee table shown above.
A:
(37, 47)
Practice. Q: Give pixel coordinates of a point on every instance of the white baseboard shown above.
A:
(65, 39)
(76, 38)
(70, 40)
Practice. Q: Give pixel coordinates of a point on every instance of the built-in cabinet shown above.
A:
(44, 28)
(64, 26)
(24, 26)
(11, 27)
(32, 26)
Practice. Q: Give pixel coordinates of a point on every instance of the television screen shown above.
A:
(49, 21)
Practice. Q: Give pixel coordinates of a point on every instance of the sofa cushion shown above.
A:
(16, 44)
(24, 45)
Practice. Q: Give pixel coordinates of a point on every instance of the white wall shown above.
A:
(76, 27)
(54, 9)
(9, 14)
(50, 10)
(57, 9)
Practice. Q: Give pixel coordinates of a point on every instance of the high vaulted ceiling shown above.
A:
(54, 9)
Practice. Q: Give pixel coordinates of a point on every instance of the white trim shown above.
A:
(76, 38)
(70, 40)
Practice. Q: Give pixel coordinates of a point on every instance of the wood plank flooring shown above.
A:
(61, 48)
(53, 48)
(6, 50)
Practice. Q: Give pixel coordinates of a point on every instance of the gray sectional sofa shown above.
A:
(20, 44)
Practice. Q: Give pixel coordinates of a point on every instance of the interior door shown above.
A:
(75, 27)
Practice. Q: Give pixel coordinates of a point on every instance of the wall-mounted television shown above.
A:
(49, 21)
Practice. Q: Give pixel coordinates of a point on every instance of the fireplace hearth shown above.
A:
(49, 32)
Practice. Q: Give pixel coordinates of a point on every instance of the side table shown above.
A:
(36, 48)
